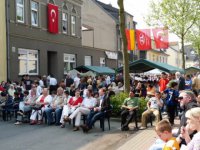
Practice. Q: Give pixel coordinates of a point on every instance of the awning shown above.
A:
(143, 65)
(96, 69)
(192, 70)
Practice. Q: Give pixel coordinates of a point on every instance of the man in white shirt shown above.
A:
(77, 80)
(52, 84)
(88, 104)
(153, 105)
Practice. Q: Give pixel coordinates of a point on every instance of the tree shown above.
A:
(125, 54)
(177, 15)
(194, 37)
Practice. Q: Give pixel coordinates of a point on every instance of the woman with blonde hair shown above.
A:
(193, 123)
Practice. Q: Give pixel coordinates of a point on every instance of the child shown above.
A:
(164, 131)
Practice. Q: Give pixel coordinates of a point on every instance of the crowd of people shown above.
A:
(71, 98)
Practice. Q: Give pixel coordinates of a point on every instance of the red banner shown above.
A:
(161, 38)
(128, 39)
(52, 18)
(143, 39)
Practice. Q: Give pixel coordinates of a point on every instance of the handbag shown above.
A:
(37, 107)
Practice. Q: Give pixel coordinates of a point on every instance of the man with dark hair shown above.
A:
(180, 80)
(128, 110)
(171, 101)
(163, 82)
(27, 82)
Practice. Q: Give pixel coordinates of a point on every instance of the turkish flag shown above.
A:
(52, 18)
(143, 39)
(161, 38)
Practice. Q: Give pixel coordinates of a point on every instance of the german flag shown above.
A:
(130, 36)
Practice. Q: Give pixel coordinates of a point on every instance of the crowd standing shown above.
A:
(61, 102)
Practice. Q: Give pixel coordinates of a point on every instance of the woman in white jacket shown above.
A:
(42, 102)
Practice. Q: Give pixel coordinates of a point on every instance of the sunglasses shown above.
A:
(180, 98)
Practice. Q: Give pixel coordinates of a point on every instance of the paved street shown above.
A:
(43, 137)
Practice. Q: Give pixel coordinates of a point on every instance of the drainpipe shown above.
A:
(8, 38)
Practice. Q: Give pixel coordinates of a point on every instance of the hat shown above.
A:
(150, 93)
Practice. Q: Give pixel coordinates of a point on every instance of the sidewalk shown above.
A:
(142, 139)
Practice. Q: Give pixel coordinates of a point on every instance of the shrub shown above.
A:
(117, 101)
(143, 105)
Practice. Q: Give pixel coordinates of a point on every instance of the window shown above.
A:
(88, 60)
(69, 62)
(64, 23)
(28, 61)
(73, 25)
(20, 10)
(34, 13)
(102, 62)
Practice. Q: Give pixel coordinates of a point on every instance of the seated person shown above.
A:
(153, 106)
(72, 105)
(193, 124)
(55, 106)
(43, 101)
(89, 102)
(164, 131)
(128, 110)
(99, 111)
(6, 102)
(25, 105)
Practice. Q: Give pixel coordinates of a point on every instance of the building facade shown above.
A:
(32, 49)
(3, 56)
(175, 56)
(157, 55)
(117, 41)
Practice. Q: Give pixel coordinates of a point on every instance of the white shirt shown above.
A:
(89, 102)
(53, 81)
(76, 81)
(41, 83)
(154, 103)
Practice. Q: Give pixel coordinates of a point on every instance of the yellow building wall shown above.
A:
(3, 62)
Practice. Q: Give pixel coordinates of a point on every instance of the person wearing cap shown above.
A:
(153, 107)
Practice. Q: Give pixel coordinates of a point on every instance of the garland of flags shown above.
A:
(142, 38)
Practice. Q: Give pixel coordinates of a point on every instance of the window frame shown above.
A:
(86, 58)
(66, 20)
(73, 25)
(102, 61)
(27, 59)
(35, 10)
(69, 61)
(23, 11)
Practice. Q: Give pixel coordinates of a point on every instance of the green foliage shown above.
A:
(117, 101)
(143, 105)
(179, 16)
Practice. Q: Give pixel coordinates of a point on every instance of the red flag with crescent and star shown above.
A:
(52, 18)
(143, 39)
(161, 38)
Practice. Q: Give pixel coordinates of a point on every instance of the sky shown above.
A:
(139, 10)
